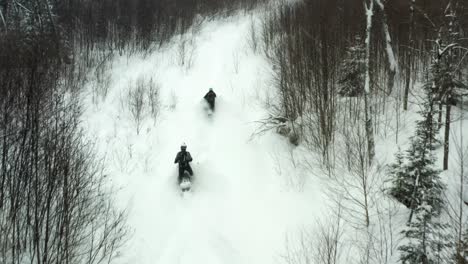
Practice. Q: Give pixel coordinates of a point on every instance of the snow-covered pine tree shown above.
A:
(425, 180)
(353, 69)
(463, 258)
(417, 176)
(429, 240)
(401, 187)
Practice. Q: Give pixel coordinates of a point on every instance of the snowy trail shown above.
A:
(239, 210)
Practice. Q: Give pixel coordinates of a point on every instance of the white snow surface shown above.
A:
(247, 195)
(251, 198)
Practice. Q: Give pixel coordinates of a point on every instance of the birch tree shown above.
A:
(369, 11)
(393, 66)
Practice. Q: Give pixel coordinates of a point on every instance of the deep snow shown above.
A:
(247, 195)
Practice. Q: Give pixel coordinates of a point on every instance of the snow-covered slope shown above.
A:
(247, 194)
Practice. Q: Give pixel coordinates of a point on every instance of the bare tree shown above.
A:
(324, 245)
(456, 210)
(186, 50)
(57, 207)
(356, 181)
(369, 11)
(102, 80)
(409, 55)
(173, 100)
(136, 102)
(393, 66)
(450, 80)
(154, 98)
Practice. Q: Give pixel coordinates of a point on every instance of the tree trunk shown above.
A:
(439, 119)
(388, 48)
(448, 107)
(367, 93)
(369, 128)
(460, 243)
(409, 66)
(325, 96)
(453, 36)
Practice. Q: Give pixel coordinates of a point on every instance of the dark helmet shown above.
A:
(183, 146)
(211, 89)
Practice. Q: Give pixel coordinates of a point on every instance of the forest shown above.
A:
(344, 73)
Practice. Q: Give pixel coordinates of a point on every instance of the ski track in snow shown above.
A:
(240, 208)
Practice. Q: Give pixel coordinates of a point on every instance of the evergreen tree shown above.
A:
(427, 128)
(425, 180)
(417, 177)
(421, 160)
(353, 70)
(465, 244)
(400, 181)
(461, 256)
(429, 240)
(417, 184)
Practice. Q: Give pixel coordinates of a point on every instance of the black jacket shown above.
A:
(210, 96)
(183, 158)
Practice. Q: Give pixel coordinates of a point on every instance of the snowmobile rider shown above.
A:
(210, 98)
(183, 158)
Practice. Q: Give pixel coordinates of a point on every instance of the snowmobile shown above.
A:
(210, 102)
(185, 182)
(208, 110)
(185, 171)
